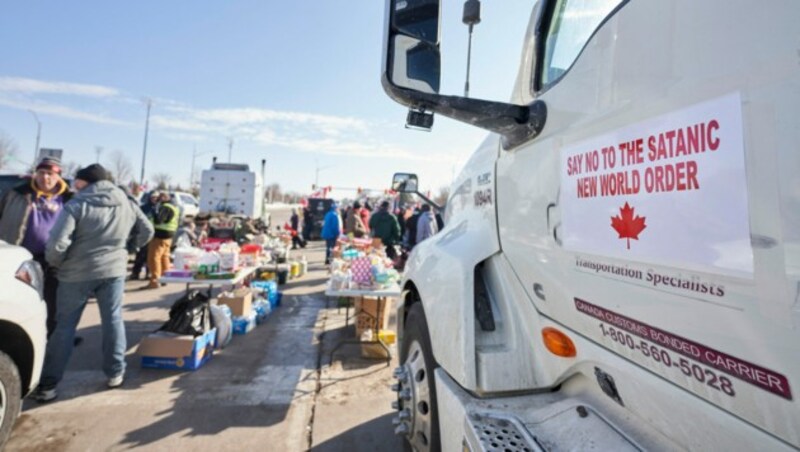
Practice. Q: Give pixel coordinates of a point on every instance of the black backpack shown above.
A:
(190, 314)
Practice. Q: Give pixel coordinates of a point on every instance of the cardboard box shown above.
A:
(367, 314)
(244, 324)
(241, 303)
(162, 350)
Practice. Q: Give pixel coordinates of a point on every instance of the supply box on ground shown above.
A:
(245, 324)
(367, 314)
(240, 301)
(163, 350)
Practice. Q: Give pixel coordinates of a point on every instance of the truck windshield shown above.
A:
(572, 25)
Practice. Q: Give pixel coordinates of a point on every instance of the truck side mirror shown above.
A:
(404, 183)
(411, 58)
(407, 183)
(411, 75)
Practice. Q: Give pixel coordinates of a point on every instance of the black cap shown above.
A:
(93, 173)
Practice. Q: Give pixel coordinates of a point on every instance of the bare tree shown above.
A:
(195, 182)
(121, 167)
(136, 189)
(8, 149)
(69, 169)
(274, 192)
(162, 180)
(443, 196)
(292, 197)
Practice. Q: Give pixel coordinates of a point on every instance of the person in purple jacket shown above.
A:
(28, 213)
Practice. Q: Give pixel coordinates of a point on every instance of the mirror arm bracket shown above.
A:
(439, 208)
(515, 123)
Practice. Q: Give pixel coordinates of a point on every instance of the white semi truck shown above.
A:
(232, 189)
(620, 265)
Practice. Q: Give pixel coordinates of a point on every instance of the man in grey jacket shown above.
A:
(87, 245)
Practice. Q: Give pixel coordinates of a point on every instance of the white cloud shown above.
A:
(191, 137)
(61, 110)
(32, 86)
(240, 117)
(175, 123)
(360, 148)
(295, 131)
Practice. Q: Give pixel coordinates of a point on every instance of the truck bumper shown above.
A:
(539, 422)
(577, 415)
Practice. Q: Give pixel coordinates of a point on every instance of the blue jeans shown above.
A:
(72, 297)
(329, 245)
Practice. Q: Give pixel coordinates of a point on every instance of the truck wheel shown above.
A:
(10, 397)
(418, 418)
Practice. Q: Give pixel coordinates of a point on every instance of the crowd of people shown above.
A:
(82, 237)
(399, 231)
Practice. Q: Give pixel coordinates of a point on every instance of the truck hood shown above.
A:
(11, 257)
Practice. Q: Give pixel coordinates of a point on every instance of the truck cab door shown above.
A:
(631, 218)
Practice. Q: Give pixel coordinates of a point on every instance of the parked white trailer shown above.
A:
(619, 268)
(232, 189)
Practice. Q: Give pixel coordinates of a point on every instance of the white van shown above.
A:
(186, 203)
(620, 265)
(23, 332)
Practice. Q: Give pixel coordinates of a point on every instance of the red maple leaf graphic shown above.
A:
(626, 225)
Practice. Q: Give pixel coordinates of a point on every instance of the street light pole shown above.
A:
(195, 154)
(38, 135)
(318, 169)
(144, 148)
(264, 187)
(230, 148)
(191, 174)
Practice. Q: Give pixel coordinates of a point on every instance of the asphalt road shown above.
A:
(272, 389)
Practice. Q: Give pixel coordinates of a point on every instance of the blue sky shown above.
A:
(296, 83)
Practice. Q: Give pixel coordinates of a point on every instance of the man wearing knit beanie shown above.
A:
(91, 174)
(51, 163)
(88, 246)
(28, 213)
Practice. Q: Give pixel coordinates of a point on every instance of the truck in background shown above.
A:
(620, 265)
(317, 208)
(232, 189)
(9, 181)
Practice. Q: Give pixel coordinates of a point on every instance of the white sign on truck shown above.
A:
(646, 181)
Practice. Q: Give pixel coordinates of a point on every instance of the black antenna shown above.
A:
(472, 16)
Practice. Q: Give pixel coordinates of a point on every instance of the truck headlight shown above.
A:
(30, 272)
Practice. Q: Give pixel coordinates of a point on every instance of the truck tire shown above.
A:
(10, 397)
(417, 387)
